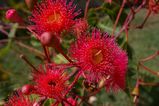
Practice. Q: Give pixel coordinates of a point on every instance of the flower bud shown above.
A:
(49, 39)
(13, 16)
(27, 89)
(30, 3)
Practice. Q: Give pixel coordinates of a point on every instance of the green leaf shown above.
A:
(6, 49)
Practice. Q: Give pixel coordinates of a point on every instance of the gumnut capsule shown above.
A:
(13, 16)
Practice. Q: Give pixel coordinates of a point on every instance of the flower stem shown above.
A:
(46, 51)
(146, 18)
(31, 49)
(150, 57)
(118, 16)
(148, 84)
(86, 8)
(149, 70)
(74, 81)
(59, 49)
(28, 62)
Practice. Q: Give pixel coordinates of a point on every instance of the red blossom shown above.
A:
(100, 57)
(154, 6)
(17, 99)
(50, 82)
(53, 16)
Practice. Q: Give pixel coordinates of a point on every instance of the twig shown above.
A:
(31, 49)
(149, 70)
(28, 62)
(46, 51)
(118, 16)
(74, 82)
(146, 18)
(59, 49)
(148, 84)
(150, 57)
(86, 8)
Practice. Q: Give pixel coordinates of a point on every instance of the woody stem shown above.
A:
(59, 49)
(46, 51)
(86, 8)
(74, 81)
(146, 18)
(118, 16)
(150, 57)
(149, 70)
(28, 62)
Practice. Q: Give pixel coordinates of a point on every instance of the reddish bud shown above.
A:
(27, 89)
(49, 39)
(30, 3)
(13, 16)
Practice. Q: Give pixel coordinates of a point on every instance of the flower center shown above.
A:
(56, 17)
(96, 56)
(52, 83)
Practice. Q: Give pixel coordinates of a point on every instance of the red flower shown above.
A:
(53, 16)
(17, 99)
(50, 82)
(100, 57)
(154, 6)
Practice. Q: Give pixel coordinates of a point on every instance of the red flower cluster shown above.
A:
(100, 57)
(53, 16)
(96, 56)
(17, 99)
(50, 82)
(154, 6)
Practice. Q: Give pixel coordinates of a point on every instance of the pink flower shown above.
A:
(100, 57)
(17, 99)
(53, 16)
(50, 82)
